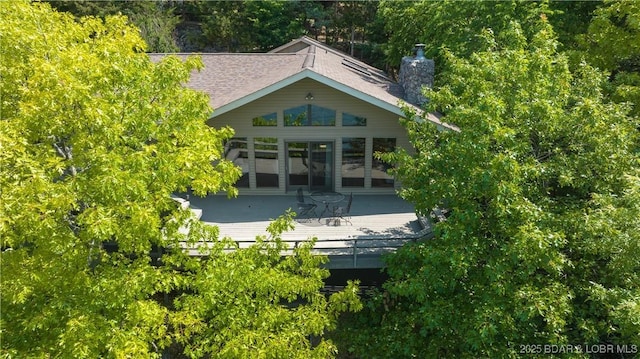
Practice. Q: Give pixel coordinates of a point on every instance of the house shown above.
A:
(306, 115)
(309, 117)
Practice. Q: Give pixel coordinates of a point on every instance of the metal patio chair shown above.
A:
(340, 213)
(304, 209)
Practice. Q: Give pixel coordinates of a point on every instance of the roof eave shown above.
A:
(393, 108)
(435, 118)
(308, 73)
(259, 94)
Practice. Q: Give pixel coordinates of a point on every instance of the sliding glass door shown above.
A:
(310, 165)
(321, 154)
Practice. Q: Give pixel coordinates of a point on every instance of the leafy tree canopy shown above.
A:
(239, 26)
(155, 19)
(612, 43)
(543, 188)
(95, 138)
(453, 25)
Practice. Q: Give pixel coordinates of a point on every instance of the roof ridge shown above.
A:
(310, 58)
(327, 48)
(335, 51)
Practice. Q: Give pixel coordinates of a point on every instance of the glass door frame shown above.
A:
(331, 167)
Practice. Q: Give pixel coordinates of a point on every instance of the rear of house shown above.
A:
(308, 116)
(313, 136)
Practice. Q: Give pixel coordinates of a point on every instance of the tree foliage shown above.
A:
(95, 138)
(612, 43)
(571, 18)
(154, 19)
(543, 185)
(241, 26)
(453, 25)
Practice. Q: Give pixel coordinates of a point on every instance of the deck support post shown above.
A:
(355, 253)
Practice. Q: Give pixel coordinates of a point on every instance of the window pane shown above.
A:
(298, 164)
(266, 149)
(321, 155)
(353, 162)
(309, 115)
(351, 120)
(296, 116)
(379, 175)
(266, 120)
(235, 150)
(321, 116)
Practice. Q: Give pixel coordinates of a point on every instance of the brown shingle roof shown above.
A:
(342, 68)
(230, 78)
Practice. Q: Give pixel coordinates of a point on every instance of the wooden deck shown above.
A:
(379, 224)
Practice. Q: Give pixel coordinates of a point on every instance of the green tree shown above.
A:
(453, 25)
(254, 303)
(612, 43)
(157, 26)
(274, 23)
(240, 26)
(571, 18)
(155, 19)
(542, 184)
(95, 138)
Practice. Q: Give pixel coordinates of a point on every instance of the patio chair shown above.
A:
(340, 213)
(305, 208)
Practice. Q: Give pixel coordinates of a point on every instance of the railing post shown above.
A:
(355, 253)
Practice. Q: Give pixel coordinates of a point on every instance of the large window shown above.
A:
(270, 119)
(298, 164)
(353, 120)
(379, 175)
(353, 162)
(309, 115)
(310, 165)
(296, 116)
(266, 150)
(321, 116)
(235, 150)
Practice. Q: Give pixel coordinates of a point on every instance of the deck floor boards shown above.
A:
(379, 223)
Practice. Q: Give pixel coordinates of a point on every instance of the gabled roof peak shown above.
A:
(233, 80)
(314, 46)
(298, 44)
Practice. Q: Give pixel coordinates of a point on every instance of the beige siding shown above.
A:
(380, 123)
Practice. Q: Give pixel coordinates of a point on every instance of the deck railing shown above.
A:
(360, 252)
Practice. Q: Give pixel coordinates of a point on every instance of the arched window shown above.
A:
(309, 115)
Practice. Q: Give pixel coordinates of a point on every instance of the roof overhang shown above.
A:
(310, 74)
(304, 74)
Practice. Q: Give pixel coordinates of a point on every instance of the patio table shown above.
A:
(326, 198)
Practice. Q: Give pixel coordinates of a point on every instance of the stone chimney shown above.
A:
(415, 73)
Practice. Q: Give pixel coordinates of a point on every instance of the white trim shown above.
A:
(395, 109)
(307, 73)
(258, 94)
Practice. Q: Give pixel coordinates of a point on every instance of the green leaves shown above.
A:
(95, 139)
(257, 303)
(462, 28)
(541, 187)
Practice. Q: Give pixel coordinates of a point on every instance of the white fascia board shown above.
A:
(258, 94)
(306, 73)
(395, 109)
